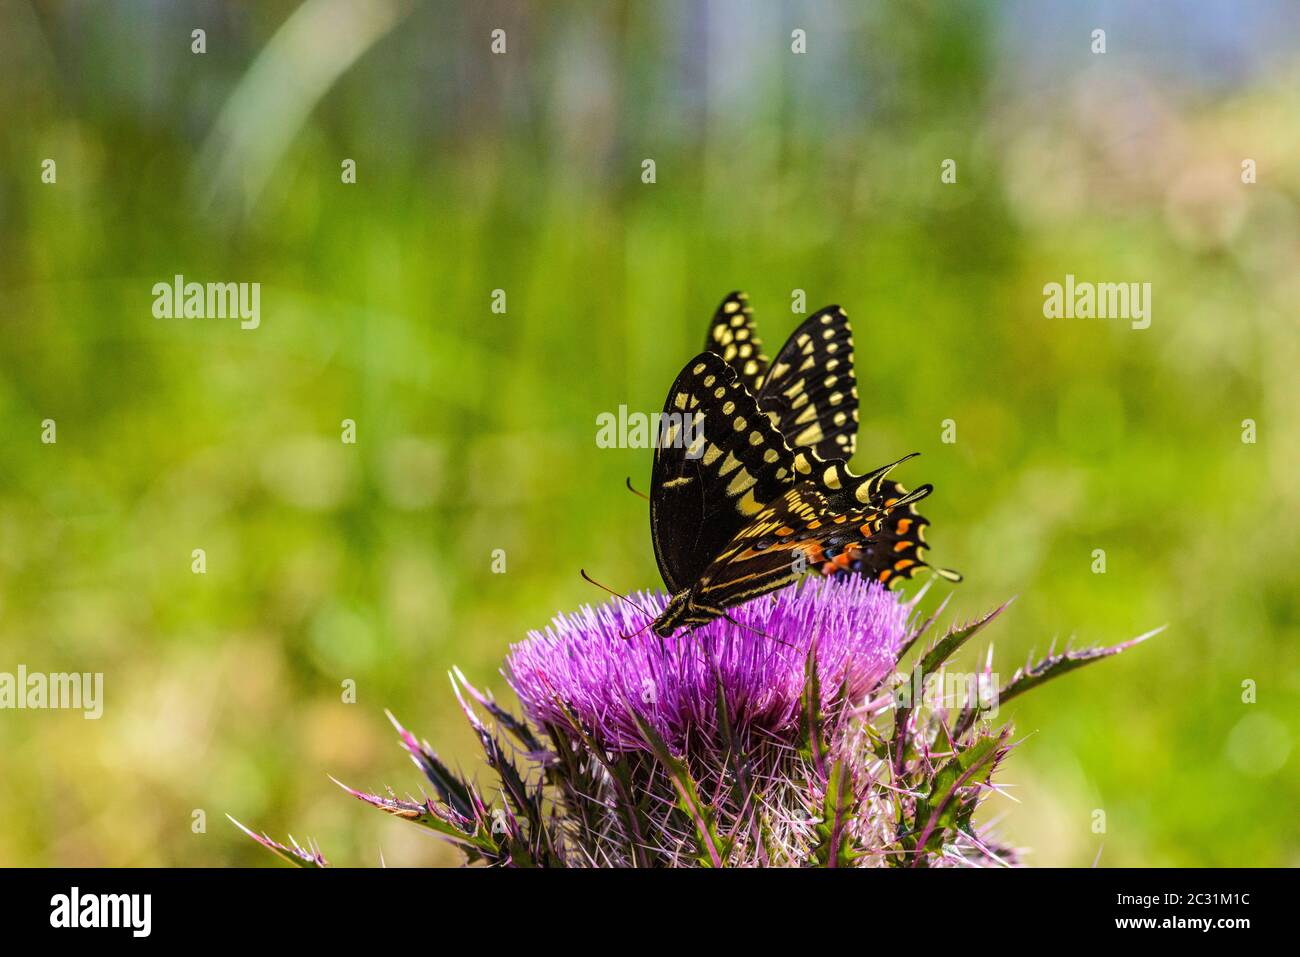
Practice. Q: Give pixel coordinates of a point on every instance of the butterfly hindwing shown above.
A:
(896, 551)
(799, 531)
(718, 461)
(733, 336)
(811, 387)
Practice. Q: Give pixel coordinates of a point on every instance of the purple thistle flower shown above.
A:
(581, 667)
(780, 739)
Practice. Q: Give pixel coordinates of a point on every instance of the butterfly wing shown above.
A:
(718, 461)
(733, 336)
(800, 530)
(896, 551)
(811, 389)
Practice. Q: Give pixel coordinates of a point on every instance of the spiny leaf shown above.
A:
(939, 811)
(451, 789)
(919, 631)
(812, 739)
(929, 663)
(1047, 668)
(296, 855)
(833, 848)
(957, 636)
(512, 782)
(515, 726)
(628, 805)
(742, 790)
(469, 833)
(713, 849)
(1033, 675)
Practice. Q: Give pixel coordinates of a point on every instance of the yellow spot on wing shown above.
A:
(810, 435)
(740, 483)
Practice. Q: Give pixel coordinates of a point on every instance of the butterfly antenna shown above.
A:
(763, 634)
(634, 491)
(639, 630)
(624, 598)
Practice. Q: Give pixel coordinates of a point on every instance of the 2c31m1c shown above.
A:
(1198, 899)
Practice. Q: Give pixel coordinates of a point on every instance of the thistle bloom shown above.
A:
(784, 737)
(581, 667)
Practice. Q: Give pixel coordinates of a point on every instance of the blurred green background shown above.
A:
(476, 431)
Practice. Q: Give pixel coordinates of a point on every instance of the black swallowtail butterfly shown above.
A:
(736, 512)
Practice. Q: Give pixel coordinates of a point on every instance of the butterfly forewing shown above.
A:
(733, 336)
(718, 462)
(811, 387)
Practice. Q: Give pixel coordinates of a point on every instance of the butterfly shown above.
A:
(737, 512)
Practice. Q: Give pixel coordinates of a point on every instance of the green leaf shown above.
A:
(833, 849)
(628, 805)
(1052, 666)
(940, 809)
(477, 840)
(957, 636)
(812, 737)
(713, 850)
(297, 855)
(451, 789)
(929, 663)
